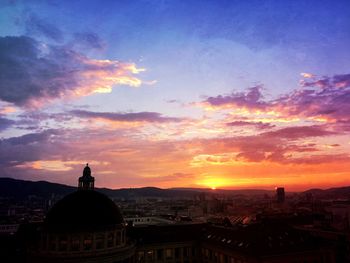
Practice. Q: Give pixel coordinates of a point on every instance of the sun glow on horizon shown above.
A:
(213, 182)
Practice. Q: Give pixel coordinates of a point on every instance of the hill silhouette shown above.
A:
(19, 189)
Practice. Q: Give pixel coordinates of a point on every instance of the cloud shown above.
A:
(337, 81)
(299, 132)
(33, 73)
(251, 100)
(321, 159)
(280, 146)
(28, 147)
(35, 26)
(325, 99)
(320, 99)
(88, 40)
(175, 177)
(57, 155)
(5, 123)
(126, 117)
(258, 125)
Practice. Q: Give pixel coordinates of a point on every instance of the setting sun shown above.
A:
(213, 183)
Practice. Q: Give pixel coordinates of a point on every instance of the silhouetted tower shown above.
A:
(280, 194)
(86, 182)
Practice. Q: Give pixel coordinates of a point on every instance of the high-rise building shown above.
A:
(280, 194)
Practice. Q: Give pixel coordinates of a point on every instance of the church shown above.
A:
(85, 226)
(88, 227)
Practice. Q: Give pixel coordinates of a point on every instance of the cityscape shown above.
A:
(81, 224)
(173, 131)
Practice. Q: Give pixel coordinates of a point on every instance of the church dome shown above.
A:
(83, 210)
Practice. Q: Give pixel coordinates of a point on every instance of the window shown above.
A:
(186, 252)
(193, 252)
(52, 243)
(216, 257)
(123, 236)
(44, 242)
(87, 244)
(206, 253)
(75, 245)
(118, 238)
(160, 254)
(110, 239)
(177, 253)
(140, 256)
(100, 240)
(168, 253)
(150, 255)
(62, 243)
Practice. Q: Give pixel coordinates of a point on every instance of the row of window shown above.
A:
(165, 254)
(83, 242)
(215, 257)
(212, 256)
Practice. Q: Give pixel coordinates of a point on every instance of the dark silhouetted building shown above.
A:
(280, 194)
(86, 226)
(86, 182)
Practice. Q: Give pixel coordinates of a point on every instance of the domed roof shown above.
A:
(83, 210)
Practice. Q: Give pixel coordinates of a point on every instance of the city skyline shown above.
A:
(217, 94)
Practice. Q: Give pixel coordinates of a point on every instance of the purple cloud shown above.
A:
(88, 40)
(326, 98)
(299, 132)
(249, 100)
(26, 148)
(5, 123)
(337, 81)
(126, 117)
(39, 27)
(33, 73)
(330, 99)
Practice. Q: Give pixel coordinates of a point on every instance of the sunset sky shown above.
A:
(225, 94)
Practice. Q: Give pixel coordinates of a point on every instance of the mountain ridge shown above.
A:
(16, 188)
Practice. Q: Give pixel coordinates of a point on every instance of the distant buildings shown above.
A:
(86, 226)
